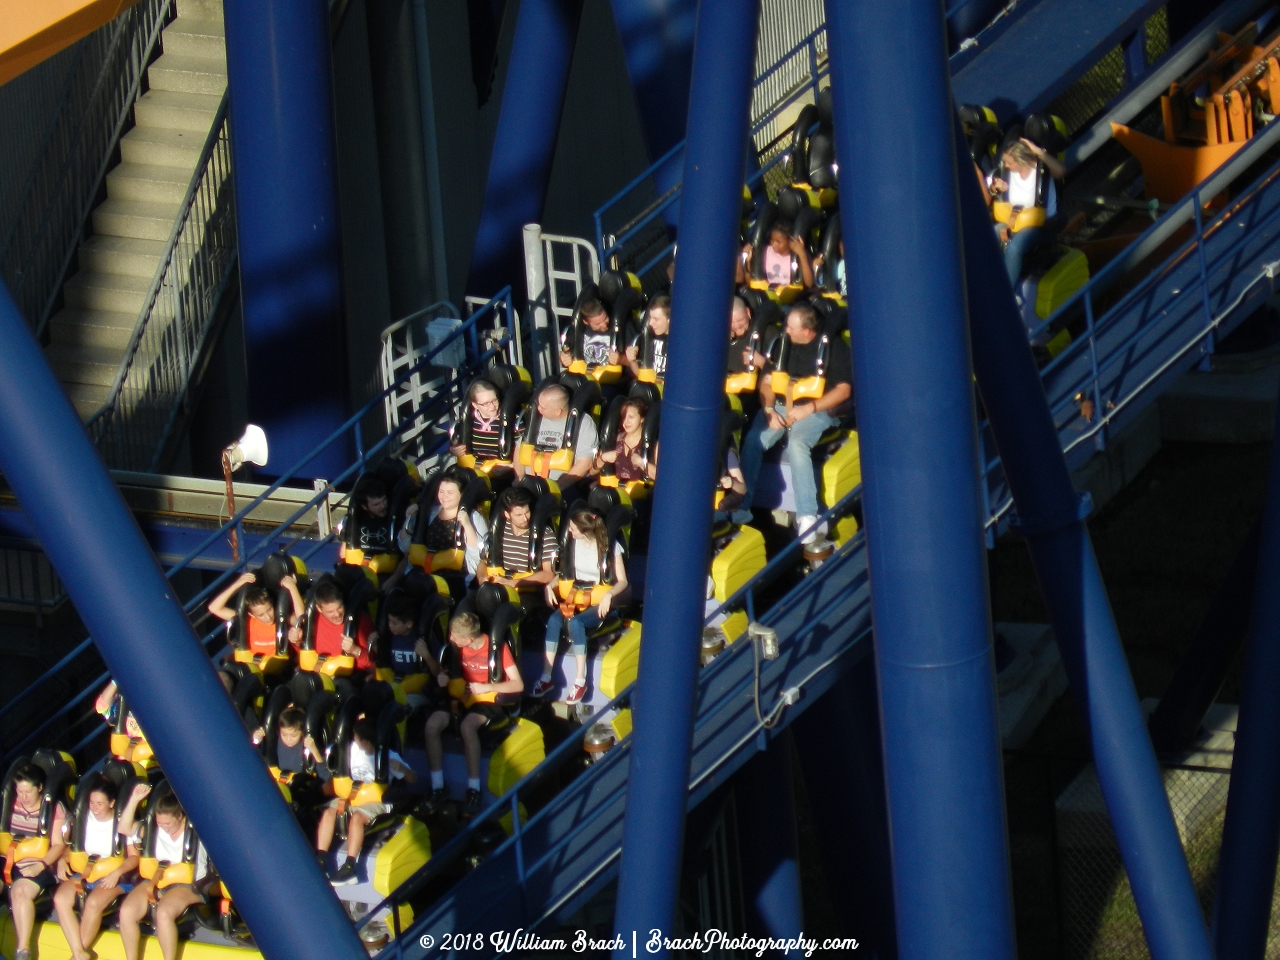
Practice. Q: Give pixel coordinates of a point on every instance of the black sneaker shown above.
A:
(435, 802)
(344, 875)
(471, 805)
(322, 857)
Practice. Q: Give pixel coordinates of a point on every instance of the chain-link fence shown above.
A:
(1073, 898)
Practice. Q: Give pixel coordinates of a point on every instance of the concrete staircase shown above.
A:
(118, 262)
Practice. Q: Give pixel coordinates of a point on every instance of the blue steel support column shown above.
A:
(150, 648)
(923, 510)
(525, 142)
(657, 38)
(1251, 833)
(1052, 520)
(681, 528)
(282, 138)
(767, 846)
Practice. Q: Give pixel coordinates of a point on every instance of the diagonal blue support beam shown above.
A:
(147, 642)
(1251, 832)
(681, 527)
(657, 39)
(920, 467)
(524, 143)
(1051, 517)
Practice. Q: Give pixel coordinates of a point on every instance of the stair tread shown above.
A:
(168, 137)
(133, 246)
(148, 209)
(186, 23)
(151, 171)
(191, 63)
(114, 281)
(82, 316)
(84, 353)
(183, 100)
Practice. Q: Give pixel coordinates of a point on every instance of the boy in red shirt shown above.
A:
(261, 619)
(330, 639)
(474, 708)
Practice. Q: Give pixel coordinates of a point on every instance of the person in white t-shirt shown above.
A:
(99, 841)
(1025, 163)
(590, 543)
(171, 901)
(361, 768)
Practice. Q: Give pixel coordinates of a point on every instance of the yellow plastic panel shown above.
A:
(622, 725)
(401, 856)
(517, 755)
(50, 944)
(846, 527)
(34, 30)
(738, 562)
(734, 626)
(842, 471)
(1061, 281)
(619, 664)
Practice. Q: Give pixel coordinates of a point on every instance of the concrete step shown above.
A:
(107, 291)
(129, 255)
(135, 218)
(148, 182)
(195, 36)
(200, 10)
(87, 398)
(74, 327)
(176, 110)
(163, 147)
(188, 74)
(85, 364)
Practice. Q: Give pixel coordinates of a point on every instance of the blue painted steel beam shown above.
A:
(282, 136)
(657, 40)
(767, 846)
(681, 526)
(149, 646)
(924, 515)
(1051, 517)
(524, 143)
(1251, 832)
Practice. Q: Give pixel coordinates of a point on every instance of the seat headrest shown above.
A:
(648, 392)
(489, 598)
(535, 485)
(1047, 131)
(276, 567)
(418, 584)
(604, 499)
(826, 105)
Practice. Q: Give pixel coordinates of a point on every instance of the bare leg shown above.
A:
(168, 910)
(64, 905)
(355, 833)
(324, 829)
(580, 659)
(95, 904)
(22, 905)
(132, 911)
(472, 724)
(436, 724)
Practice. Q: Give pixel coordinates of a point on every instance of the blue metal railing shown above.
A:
(351, 432)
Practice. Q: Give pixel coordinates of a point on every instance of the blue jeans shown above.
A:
(800, 441)
(1019, 245)
(579, 626)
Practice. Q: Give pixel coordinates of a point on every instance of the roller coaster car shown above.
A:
(647, 372)
(358, 593)
(738, 554)
(546, 512)
(59, 787)
(475, 496)
(515, 745)
(609, 427)
(1053, 275)
(584, 402)
(309, 693)
(616, 641)
(1048, 132)
(265, 647)
(127, 742)
(514, 387)
(787, 293)
(814, 386)
(430, 595)
(813, 153)
(164, 874)
(623, 298)
(829, 248)
(371, 541)
(89, 868)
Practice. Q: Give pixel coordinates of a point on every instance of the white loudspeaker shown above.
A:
(251, 448)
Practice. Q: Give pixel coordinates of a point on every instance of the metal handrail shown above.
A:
(61, 195)
(133, 425)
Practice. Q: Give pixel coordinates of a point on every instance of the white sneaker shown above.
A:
(804, 523)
